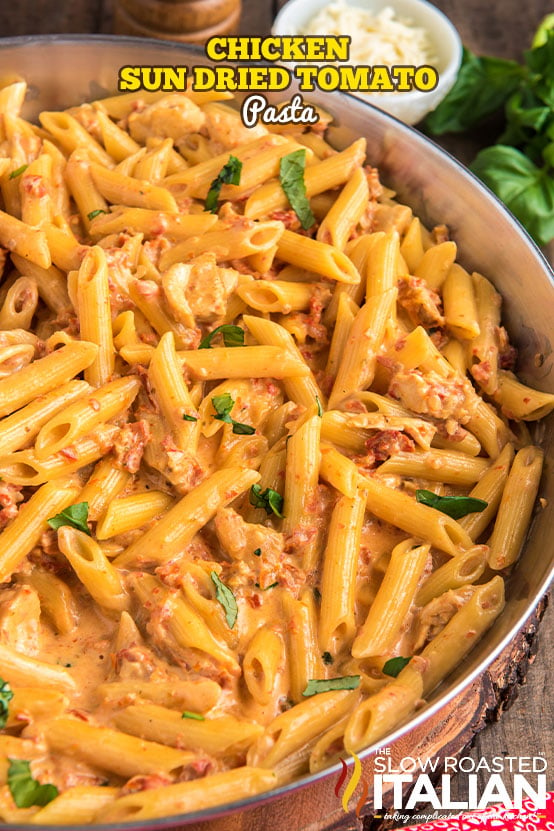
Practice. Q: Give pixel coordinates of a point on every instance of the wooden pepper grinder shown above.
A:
(189, 21)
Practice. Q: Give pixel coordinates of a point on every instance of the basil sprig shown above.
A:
(394, 666)
(232, 336)
(75, 515)
(227, 599)
(95, 213)
(223, 404)
(271, 501)
(455, 506)
(291, 177)
(25, 790)
(228, 175)
(346, 682)
(6, 696)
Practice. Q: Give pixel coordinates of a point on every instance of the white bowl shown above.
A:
(411, 106)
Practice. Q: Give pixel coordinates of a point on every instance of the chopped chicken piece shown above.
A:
(19, 619)
(432, 394)
(226, 129)
(206, 288)
(435, 615)
(421, 303)
(171, 117)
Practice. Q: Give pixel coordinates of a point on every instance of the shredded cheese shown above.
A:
(380, 39)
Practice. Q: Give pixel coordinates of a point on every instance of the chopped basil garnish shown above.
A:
(271, 586)
(327, 658)
(347, 682)
(271, 501)
(15, 173)
(257, 552)
(6, 696)
(394, 666)
(75, 515)
(187, 417)
(232, 336)
(319, 407)
(195, 716)
(223, 404)
(97, 212)
(25, 790)
(227, 599)
(291, 176)
(455, 506)
(228, 175)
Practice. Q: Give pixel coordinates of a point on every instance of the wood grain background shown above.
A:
(497, 27)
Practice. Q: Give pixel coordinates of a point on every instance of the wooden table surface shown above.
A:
(497, 27)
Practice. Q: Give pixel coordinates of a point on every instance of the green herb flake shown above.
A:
(291, 176)
(223, 404)
(15, 173)
(6, 696)
(271, 501)
(347, 682)
(243, 429)
(95, 213)
(25, 790)
(394, 666)
(232, 336)
(227, 599)
(319, 407)
(75, 515)
(455, 506)
(327, 658)
(187, 417)
(257, 552)
(228, 175)
(195, 716)
(271, 586)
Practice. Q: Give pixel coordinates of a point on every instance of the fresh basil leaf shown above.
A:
(15, 173)
(541, 35)
(223, 404)
(227, 599)
(527, 190)
(455, 506)
(232, 336)
(394, 666)
(347, 682)
(243, 429)
(540, 62)
(75, 515)
(97, 212)
(291, 176)
(6, 696)
(482, 87)
(187, 417)
(228, 175)
(25, 790)
(327, 658)
(195, 716)
(271, 501)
